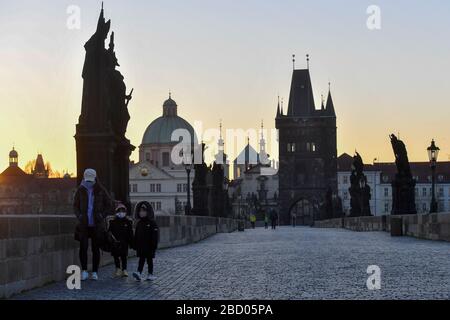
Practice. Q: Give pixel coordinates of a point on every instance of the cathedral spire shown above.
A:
(221, 157)
(262, 129)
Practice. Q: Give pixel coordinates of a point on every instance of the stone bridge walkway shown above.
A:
(300, 263)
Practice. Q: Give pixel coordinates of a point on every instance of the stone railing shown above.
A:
(434, 226)
(37, 249)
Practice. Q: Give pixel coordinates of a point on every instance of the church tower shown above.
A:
(307, 152)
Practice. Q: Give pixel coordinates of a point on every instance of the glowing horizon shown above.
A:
(229, 62)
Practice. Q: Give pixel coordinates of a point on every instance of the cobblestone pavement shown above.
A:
(300, 263)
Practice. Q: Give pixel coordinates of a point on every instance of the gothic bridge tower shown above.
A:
(307, 153)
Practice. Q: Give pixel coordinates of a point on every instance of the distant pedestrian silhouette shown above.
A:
(266, 221)
(274, 219)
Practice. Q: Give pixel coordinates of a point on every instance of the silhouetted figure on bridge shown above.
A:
(274, 219)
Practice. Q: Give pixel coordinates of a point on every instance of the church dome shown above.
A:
(13, 154)
(160, 131)
(170, 103)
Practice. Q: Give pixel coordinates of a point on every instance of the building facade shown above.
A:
(256, 180)
(36, 193)
(156, 178)
(380, 177)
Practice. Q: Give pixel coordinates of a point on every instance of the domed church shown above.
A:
(155, 178)
(157, 142)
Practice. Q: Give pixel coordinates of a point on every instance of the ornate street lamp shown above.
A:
(433, 152)
(188, 165)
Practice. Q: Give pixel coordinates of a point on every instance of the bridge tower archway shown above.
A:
(304, 211)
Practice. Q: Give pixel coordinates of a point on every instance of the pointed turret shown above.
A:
(330, 106)
(40, 171)
(278, 108)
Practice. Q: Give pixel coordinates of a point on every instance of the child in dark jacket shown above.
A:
(145, 239)
(121, 230)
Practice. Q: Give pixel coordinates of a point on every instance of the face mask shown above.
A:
(89, 183)
(121, 214)
(142, 214)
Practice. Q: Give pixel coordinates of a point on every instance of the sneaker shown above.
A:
(84, 275)
(94, 276)
(137, 276)
(151, 277)
(118, 273)
(125, 273)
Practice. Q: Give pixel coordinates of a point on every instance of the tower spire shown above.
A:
(307, 61)
(293, 61)
(220, 156)
(330, 105)
(278, 107)
(262, 129)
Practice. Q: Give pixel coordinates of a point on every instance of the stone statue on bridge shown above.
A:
(100, 133)
(200, 188)
(403, 185)
(359, 189)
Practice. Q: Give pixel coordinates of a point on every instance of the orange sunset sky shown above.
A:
(230, 60)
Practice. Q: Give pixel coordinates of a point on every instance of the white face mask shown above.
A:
(142, 214)
(121, 215)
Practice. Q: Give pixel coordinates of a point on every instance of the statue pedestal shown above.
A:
(403, 196)
(109, 157)
(201, 194)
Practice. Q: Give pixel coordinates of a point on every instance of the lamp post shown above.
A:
(188, 166)
(433, 152)
(226, 198)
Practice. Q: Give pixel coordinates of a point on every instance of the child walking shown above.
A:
(121, 230)
(145, 240)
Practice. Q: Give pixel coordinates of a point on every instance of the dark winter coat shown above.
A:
(122, 232)
(102, 208)
(273, 216)
(146, 238)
